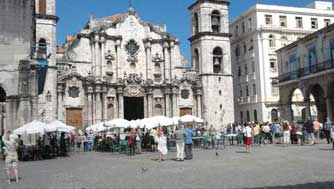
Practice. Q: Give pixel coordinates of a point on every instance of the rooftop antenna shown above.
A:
(130, 3)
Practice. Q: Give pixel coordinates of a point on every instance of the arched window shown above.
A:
(42, 7)
(157, 68)
(271, 41)
(3, 95)
(195, 24)
(42, 47)
(196, 60)
(217, 60)
(284, 41)
(215, 21)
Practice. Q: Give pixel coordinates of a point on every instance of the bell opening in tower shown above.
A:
(133, 108)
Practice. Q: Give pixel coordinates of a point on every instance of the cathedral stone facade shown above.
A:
(123, 67)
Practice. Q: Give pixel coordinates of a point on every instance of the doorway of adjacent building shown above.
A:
(133, 108)
(74, 117)
(186, 111)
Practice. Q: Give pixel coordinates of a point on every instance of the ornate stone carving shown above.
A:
(134, 91)
(157, 58)
(185, 93)
(109, 57)
(73, 92)
(132, 49)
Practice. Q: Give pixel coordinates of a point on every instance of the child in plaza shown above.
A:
(162, 145)
(11, 155)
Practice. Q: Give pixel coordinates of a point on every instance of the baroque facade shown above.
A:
(256, 35)
(123, 67)
(115, 67)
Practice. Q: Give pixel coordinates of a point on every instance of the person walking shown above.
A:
(153, 134)
(132, 142)
(78, 141)
(90, 140)
(189, 143)
(11, 155)
(161, 140)
(286, 133)
(139, 139)
(248, 134)
(316, 127)
(62, 145)
(180, 136)
(299, 132)
(256, 132)
(310, 131)
(85, 142)
(267, 135)
(327, 129)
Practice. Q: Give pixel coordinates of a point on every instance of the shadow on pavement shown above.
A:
(318, 185)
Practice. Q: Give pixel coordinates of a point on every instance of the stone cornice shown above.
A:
(201, 34)
(48, 17)
(219, 2)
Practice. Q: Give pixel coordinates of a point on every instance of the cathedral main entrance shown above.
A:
(133, 108)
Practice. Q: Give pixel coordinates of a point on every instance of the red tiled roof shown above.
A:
(113, 17)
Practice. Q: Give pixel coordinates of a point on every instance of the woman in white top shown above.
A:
(11, 155)
(161, 140)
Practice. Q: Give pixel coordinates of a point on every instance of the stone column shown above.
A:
(104, 104)
(329, 108)
(60, 107)
(171, 59)
(166, 66)
(90, 105)
(117, 50)
(168, 106)
(149, 93)
(175, 104)
(308, 108)
(98, 104)
(97, 55)
(149, 65)
(120, 102)
(103, 61)
(93, 56)
(199, 103)
(145, 106)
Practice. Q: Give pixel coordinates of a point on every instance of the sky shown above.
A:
(74, 14)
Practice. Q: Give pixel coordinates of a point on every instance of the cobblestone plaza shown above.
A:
(271, 165)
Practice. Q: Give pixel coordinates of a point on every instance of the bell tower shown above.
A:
(211, 58)
(45, 54)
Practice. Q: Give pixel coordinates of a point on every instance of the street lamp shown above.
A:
(48, 96)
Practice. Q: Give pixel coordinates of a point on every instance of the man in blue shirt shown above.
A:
(188, 143)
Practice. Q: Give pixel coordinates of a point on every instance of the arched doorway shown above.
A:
(318, 103)
(298, 106)
(3, 97)
(274, 115)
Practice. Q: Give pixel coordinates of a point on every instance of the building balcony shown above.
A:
(253, 99)
(306, 71)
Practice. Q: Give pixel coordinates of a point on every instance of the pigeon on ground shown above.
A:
(144, 170)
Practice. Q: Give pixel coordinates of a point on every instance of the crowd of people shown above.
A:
(183, 137)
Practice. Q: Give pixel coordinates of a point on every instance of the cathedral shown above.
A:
(120, 66)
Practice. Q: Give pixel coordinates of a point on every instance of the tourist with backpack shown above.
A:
(327, 130)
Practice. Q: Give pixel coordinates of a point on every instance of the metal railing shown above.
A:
(305, 71)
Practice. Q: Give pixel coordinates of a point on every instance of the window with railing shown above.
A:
(299, 22)
(314, 23)
(268, 19)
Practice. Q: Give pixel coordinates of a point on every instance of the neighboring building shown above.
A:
(306, 67)
(18, 72)
(256, 35)
(123, 67)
